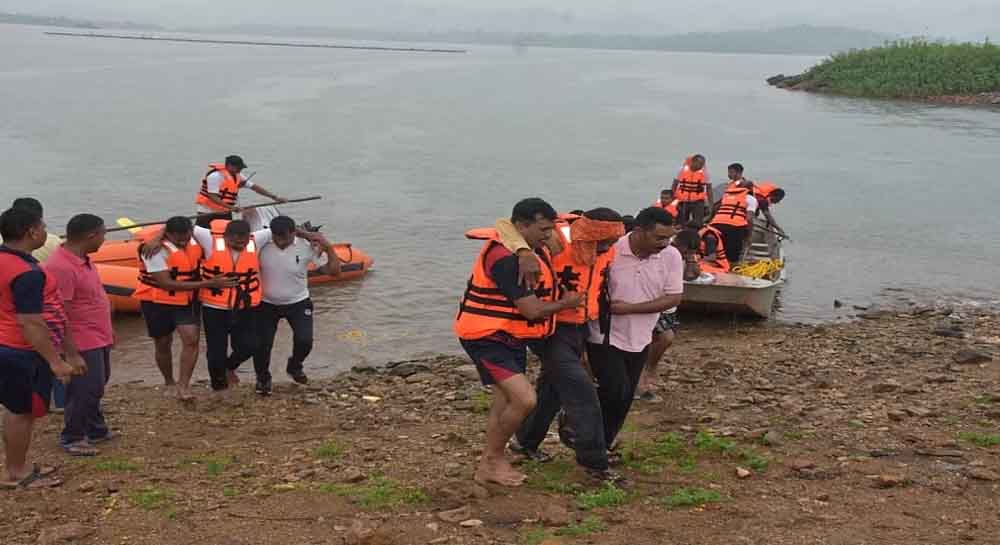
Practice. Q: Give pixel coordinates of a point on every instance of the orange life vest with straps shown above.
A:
(670, 207)
(246, 269)
(763, 190)
(692, 185)
(733, 208)
(720, 263)
(183, 264)
(485, 310)
(228, 190)
(571, 276)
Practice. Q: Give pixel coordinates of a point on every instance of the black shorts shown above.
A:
(162, 320)
(496, 360)
(25, 382)
(666, 322)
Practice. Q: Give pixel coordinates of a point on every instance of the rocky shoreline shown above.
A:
(883, 430)
(802, 82)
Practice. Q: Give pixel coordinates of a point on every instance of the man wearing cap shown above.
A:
(220, 188)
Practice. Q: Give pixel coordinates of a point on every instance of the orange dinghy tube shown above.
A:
(122, 253)
(120, 281)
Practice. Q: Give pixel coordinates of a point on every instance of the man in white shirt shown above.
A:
(219, 195)
(285, 264)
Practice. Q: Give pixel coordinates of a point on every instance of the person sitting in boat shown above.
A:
(219, 194)
(667, 202)
(733, 219)
(712, 251)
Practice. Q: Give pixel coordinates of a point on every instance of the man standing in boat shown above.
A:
(219, 194)
(284, 271)
(693, 191)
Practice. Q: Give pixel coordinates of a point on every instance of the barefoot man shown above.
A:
(168, 281)
(497, 318)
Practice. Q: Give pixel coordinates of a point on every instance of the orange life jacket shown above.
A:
(228, 189)
(182, 264)
(763, 190)
(246, 269)
(670, 207)
(571, 276)
(485, 310)
(692, 184)
(720, 263)
(733, 208)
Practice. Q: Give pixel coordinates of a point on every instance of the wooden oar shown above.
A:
(131, 226)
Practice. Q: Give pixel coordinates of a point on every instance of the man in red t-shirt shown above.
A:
(32, 332)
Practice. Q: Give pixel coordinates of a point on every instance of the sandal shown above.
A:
(81, 448)
(38, 478)
(102, 439)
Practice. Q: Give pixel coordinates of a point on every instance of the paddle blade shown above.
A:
(128, 223)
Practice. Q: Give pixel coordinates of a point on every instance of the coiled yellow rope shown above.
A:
(759, 269)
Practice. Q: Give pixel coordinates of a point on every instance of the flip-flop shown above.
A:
(102, 439)
(38, 478)
(81, 449)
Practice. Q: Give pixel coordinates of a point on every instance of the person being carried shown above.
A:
(220, 188)
(497, 317)
(168, 283)
(284, 270)
(686, 242)
(646, 279)
(32, 335)
(734, 219)
(581, 267)
(693, 191)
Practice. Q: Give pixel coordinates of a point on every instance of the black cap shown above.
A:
(236, 161)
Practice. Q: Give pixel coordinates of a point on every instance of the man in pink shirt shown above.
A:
(646, 278)
(89, 316)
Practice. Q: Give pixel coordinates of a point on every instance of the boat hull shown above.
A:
(757, 300)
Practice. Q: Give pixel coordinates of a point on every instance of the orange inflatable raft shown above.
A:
(117, 262)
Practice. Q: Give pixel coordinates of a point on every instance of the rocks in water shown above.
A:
(970, 356)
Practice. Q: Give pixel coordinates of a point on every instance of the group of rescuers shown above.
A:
(594, 295)
(55, 318)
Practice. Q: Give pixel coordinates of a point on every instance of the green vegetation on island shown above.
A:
(916, 69)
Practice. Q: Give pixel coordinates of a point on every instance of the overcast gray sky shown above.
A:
(950, 18)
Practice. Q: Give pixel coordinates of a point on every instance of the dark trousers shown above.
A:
(222, 329)
(300, 318)
(205, 220)
(617, 373)
(83, 418)
(692, 212)
(733, 238)
(564, 382)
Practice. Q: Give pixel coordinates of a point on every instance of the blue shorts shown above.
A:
(496, 360)
(25, 382)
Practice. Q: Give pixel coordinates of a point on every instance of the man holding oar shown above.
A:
(219, 195)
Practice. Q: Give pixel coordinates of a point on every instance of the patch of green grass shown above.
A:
(113, 464)
(856, 424)
(797, 435)
(534, 536)
(230, 491)
(481, 401)
(708, 442)
(551, 476)
(754, 460)
(378, 493)
(151, 498)
(607, 496)
(587, 526)
(691, 497)
(214, 465)
(984, 440)
(652, 457)
(687, 464)
(628, 427)
(329, 450)
(983, 399)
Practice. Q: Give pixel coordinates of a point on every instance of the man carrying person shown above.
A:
(32, 334)
(693, 191)
(646, 279)
(581, 266)
(284, 270)
(497, 318)
(88, 313)
(220, 188)
(167, 291)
